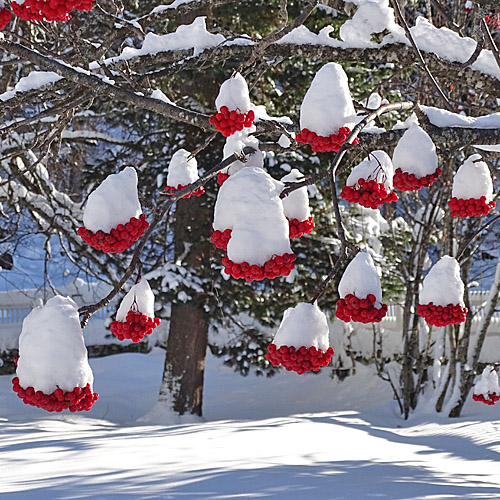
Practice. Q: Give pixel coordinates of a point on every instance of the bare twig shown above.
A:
(395, 6)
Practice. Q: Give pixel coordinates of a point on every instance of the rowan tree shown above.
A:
(370, 107)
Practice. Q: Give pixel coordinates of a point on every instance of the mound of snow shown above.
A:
(140, 298)
(182, 169)
(473, 180)
(443, 285)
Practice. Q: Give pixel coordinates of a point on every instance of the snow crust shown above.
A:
(488, 383)
(52, 351)
(234, 94)
(415, 152)
(248, 203)
(296, 204)
(114, 202)
(473, 180)
(327, 105)
(303, 325)
(158, 94)
(361, 279)
(377, 166)
(187, 36)
(235, 143)
(443, 284)
(140, 298)
(372, 16)
(182, 169)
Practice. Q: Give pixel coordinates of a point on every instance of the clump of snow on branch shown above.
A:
(377, 166)
(415, 152)
(296, 204)
(248, 203)
(235, 143)
(114, 202)
(371, 17)
(139, 298)
(303, 325)
(52, 351)
(443, 285)
(234, 94)
(473, 180)
(361, 279)
(182, 169)
(327, 105)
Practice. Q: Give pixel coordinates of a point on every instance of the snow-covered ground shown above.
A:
(285, 437)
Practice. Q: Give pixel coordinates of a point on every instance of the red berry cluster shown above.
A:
(172, 190)
(471, 207)
(321, 144)
(299, 228)
(5, 16)
(369, 194)
(493, 21)
(442, 315)
(405, 181)
(229, 122)
(135, 328)
(221, 238)
(299, 360)
(490, 399)
(221, 178)
(52, 10)
(350, 308)
(119, 239)
(76, 400)
(277, 266)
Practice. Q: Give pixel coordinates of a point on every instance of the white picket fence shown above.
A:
(16, 305)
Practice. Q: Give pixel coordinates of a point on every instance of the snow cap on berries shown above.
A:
(443, 285)
(182, 169)
(377, 166)
(327, 105)
(248, 203)
(140, 298)
(52, 351)
(234, 94)
(488, 383)
(296, 204)
(114, 202)
(415, 152)
(303, 325)
(473, 180)
(235, 144)
(361, 279)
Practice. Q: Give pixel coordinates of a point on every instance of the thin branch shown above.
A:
(491, 42)
(87, 311)
(395, 6)
(475, 235)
